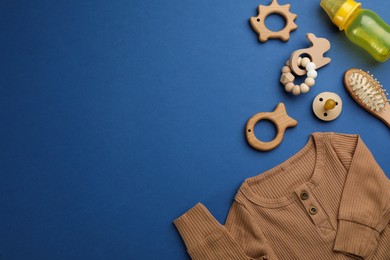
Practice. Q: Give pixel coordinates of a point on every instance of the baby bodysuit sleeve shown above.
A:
(365, 204)
(206, 239)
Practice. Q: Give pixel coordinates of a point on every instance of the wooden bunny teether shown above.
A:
(281, 120)
(316, 53)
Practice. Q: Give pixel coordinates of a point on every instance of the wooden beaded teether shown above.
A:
(287, 78)
(274, 8)
(281, 120)
(309, 64)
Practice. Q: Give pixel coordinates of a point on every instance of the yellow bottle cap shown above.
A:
(339, 11)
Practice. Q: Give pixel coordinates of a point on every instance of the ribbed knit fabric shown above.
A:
(331, 200)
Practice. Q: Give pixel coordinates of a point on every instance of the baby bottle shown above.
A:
(362, 26)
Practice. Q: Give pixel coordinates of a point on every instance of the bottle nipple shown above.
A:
(339, 10)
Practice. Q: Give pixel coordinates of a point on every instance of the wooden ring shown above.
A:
(279, 118)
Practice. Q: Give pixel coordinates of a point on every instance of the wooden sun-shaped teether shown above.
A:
(274, 8)
(281, 120)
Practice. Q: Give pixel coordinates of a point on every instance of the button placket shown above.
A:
(313, 208)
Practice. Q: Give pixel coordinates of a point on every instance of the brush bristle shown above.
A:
(368, 90)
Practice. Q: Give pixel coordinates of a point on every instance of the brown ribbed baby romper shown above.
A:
(331, 200)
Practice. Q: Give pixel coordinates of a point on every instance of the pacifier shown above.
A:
(327, 106)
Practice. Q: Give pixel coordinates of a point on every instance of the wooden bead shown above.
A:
(312, 74)
(286, 69)
(305, 61)
(310, 66)
(299, 60)
(289, 86)
(286, 78)
(310, 82)
(296, 90)
(304, 88)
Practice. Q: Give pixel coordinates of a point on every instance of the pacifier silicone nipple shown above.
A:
(330, 104)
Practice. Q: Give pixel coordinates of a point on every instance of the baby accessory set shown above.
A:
(331, 200)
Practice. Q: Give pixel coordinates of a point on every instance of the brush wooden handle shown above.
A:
(383, 114)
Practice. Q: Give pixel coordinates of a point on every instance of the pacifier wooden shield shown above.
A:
(327, 106)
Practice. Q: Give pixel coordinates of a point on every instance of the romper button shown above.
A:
(313, 210)
(264, 258)
(304, 195)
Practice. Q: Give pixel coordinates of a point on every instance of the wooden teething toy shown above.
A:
(316, 53)
(287, 78)
(309, 64)
(274, 8)
(281, 120)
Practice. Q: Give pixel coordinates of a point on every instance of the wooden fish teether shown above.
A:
(258, 24)
(281, 120)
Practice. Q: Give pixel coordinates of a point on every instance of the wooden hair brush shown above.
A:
(368, 93)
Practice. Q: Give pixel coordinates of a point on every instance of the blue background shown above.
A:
(118, 116)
